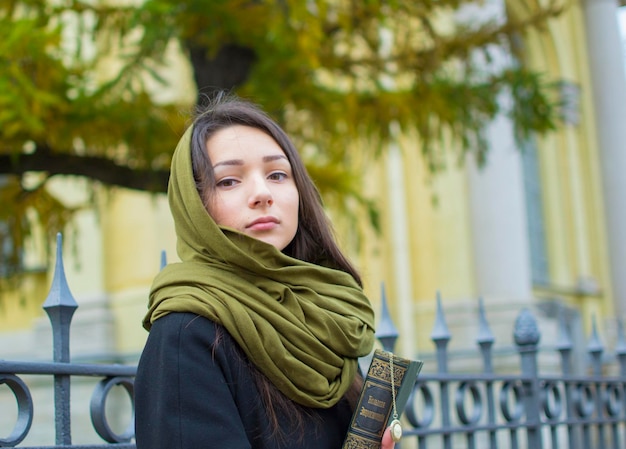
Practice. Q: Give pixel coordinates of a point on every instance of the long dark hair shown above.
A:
(314, 241)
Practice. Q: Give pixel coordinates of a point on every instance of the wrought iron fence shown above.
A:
(446, 410)
(60, 307)
(525, 410)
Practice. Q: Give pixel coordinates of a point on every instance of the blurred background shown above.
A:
(475, 149)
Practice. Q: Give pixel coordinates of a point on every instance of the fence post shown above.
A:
(595, 348)
(441, 337)
(564, 346)
(620, 353)
(485, 340)
(60, 306)
(526, 335)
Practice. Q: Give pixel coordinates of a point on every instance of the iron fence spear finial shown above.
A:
(60, 306)
(386, 332)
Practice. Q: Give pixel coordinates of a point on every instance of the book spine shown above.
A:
(375, 404)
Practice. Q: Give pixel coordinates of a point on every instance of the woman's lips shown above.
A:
(263, 224)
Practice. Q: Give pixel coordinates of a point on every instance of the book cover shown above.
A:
(374, 410)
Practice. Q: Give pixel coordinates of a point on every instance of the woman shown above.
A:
(255, 335)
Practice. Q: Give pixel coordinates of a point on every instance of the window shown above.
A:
(534, 212)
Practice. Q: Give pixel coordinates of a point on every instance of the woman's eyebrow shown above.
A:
(229, 162)
(270, 158)
(274, 157)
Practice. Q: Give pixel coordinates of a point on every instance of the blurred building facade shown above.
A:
(542, 226)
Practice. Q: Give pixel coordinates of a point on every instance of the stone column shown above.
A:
(498, 214)
(606, 65)
(496, 192)
(400, 249)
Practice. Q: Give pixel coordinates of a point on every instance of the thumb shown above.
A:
(387, 441)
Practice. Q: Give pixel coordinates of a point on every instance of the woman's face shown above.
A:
(255, 192)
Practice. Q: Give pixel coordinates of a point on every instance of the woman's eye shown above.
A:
(277, 176)
(226, 183)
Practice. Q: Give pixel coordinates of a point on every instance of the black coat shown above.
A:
(191, 393)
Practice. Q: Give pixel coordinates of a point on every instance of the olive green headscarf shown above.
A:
(301, 324)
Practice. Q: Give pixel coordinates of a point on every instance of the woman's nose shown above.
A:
(260, 195)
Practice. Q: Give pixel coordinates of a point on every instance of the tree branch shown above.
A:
(96, 168)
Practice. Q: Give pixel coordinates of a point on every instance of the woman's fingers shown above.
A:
(387, 442)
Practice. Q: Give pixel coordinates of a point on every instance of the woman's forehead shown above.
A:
(240, 142)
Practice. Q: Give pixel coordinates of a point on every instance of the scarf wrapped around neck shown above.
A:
(302, 325)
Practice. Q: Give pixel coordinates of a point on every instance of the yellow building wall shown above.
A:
(437, 239)
(82, 260)
(19, 308)
(570, 172)
(137, 229)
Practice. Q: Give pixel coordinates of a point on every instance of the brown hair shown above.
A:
(314, 241)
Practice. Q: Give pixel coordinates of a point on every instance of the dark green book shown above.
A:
(374, 410)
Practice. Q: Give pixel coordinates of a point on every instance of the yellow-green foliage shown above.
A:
(77, 84)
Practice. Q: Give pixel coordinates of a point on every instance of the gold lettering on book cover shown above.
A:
(372, 415)
(376, 402)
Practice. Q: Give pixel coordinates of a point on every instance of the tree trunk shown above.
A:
(228, 69)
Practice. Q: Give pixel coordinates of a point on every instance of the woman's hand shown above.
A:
(387, 442)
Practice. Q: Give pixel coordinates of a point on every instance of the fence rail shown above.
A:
(446, 410)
